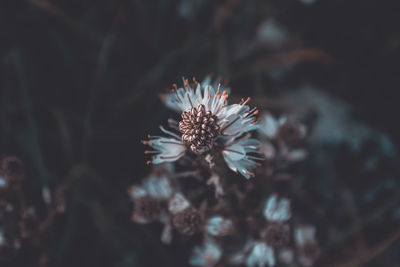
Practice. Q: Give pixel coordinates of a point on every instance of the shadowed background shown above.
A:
(80, 84)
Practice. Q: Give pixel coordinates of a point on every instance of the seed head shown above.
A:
(199, 128)
(277, 235)
(187, 221)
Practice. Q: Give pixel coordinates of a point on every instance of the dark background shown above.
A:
(79, 89)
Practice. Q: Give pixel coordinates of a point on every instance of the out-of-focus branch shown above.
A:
(370, 254)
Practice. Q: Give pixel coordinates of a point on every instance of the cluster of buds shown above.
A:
(281, 141)
(211, 138)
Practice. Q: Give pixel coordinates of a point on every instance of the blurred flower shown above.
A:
(304, 234)
(158, 187)
(178, 203)
(260, 255)
(268, 125)
(186, 219)
(206, 256)
(307, 245)
(277, 210)
(291, 131)
(286, 255)
(288, 130)
(268, 150)
(146, 209)
(295, 155)
(277, 235)
(218, 226)
(273, 33)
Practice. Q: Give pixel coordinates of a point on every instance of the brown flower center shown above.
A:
(199, 128)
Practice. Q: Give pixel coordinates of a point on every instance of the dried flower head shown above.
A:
(277, 235)
(188, 221)
(199, 128)
(146, 209)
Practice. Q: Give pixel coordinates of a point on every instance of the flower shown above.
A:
(186, 219)
(147, 197)
(260, 255)
(304, 234)
(277, 210)
(218, 226)
(286, 129)
(206, 256)
(237, 156)
(208, 122)
(166, 148)
(307, 245)
(158, 187)
(178, 203)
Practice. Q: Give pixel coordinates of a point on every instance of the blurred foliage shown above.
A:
(79, 89)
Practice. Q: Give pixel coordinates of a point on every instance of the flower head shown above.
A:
(206, 256)
(186, 219)
(208, 122)
(277, 210)
(218, 226)
(260, 255)
(199, 128)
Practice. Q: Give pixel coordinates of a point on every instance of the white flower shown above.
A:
(166, 149)
(206, 256)
(207, 119)
(218, 226)
(3, 182)
(286, 255)
(136, 192)
(268, 126)
(277, 210)
(260, 255)
(178, 203)
(307, 245)
(268, 150)
(273, 128)
(2, 239)
(296, 155)
(158, 187)
(304, 234)
(237, 156)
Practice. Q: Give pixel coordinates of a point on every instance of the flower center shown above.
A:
(199, 128)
